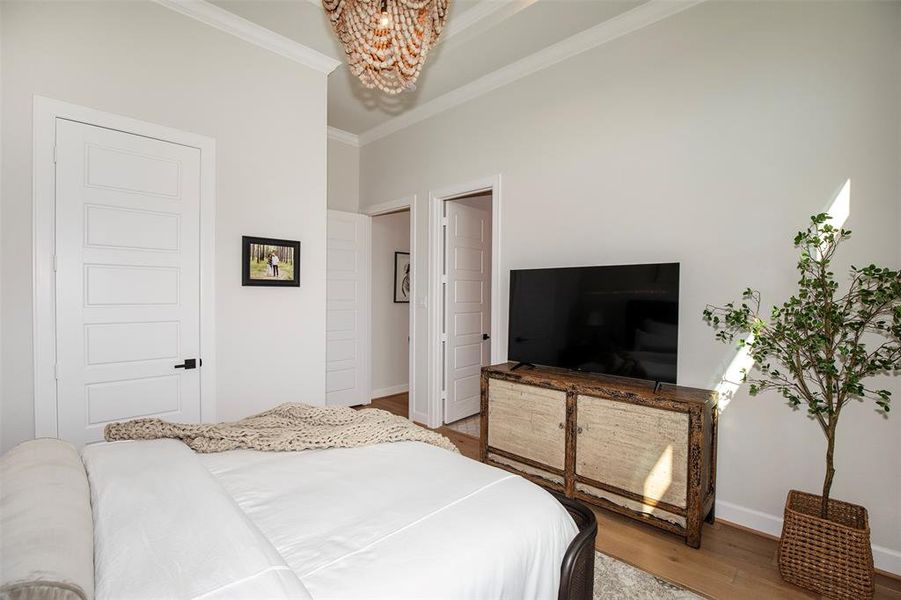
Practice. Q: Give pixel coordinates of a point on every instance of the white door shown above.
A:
(467, 306)
(347, 377)
(127, 279)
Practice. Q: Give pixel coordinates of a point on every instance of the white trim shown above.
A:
(885, 559)
(746, 517)
(345, 137)
(241, 28)
(390, 391)
(46, 112)
(414, 261)
(436, 198)
(384, 208)
(620, 25)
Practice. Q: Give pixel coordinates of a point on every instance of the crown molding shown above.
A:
(250, 32)
(632, 20)
(345, 137)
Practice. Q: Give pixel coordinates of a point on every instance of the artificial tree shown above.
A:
(820, 346)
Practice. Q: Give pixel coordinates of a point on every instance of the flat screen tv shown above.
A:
(617, 320)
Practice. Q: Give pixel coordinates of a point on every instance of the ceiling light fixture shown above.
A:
(387, 41)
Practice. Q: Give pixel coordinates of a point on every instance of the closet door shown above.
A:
(127, 279)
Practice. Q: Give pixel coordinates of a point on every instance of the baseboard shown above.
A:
(390, 391)
(886, 560)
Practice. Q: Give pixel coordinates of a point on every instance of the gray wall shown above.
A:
(343, 176)
(709, 139)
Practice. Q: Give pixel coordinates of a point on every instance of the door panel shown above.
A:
(347, 314)
(636, 448)
(467, 306)
(527, 421)
(128, 279)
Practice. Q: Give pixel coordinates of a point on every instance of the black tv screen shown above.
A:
(618, 320)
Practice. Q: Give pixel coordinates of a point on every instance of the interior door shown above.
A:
(467, 306)
(127, 279)
(348, 309)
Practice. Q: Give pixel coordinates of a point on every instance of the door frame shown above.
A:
(46, 112)
(437, 197)
(385, 208)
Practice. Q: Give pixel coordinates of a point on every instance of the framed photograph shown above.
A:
(402, 277)
(271, 262)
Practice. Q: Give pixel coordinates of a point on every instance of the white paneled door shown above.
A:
(467, 307)
(348, 310)
(127, 279)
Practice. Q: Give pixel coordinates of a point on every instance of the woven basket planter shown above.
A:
(831, 556)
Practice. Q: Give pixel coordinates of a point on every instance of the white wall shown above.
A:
(390, 321)
(708, 139)
(267, 115)
(343, 176)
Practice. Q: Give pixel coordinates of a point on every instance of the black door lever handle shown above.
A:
(190, 363)
(485, 336)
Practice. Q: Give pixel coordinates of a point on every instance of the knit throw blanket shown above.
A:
(287, 427)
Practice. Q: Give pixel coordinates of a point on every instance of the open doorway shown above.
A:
(466, 298)
(390, 317)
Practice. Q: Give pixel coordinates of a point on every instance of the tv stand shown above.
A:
(647, 453)
(520, 365)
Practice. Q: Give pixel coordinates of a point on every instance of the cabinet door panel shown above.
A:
(635, 448)
(527, 421)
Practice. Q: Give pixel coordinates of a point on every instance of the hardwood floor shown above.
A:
(732, 563)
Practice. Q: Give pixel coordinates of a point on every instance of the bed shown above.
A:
(393, 520)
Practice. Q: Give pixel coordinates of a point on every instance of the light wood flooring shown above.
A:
(732, 563)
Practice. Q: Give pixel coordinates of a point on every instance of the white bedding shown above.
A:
(401, 520)
(163, 528)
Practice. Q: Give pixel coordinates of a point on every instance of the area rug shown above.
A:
(468, 426)
(615, 580)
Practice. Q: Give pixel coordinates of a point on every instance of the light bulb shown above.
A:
(385, 20)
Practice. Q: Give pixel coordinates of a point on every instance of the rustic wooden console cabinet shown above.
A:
(609, 441)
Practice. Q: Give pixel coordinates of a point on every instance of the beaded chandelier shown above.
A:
(387, 41)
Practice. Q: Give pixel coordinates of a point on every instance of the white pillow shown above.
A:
(47, 544)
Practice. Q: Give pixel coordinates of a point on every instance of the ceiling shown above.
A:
(481, 37)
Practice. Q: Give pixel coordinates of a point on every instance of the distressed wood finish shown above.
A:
(635, 448)
(528, 422)
(616, 442)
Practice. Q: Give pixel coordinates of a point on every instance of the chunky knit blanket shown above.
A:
(290, 426)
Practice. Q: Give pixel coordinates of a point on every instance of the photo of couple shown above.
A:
(270, 262)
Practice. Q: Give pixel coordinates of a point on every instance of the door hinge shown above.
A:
(56, 371)
(444, 221)
(54, 153)
(55, 264)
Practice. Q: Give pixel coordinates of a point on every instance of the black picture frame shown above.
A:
(247, 279)
(398, 289)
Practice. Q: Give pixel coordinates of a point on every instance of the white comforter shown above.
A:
(402, 520)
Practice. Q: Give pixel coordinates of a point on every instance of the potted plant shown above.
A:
(818, 350)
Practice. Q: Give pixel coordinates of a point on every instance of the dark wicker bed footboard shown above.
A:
(577, 569)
